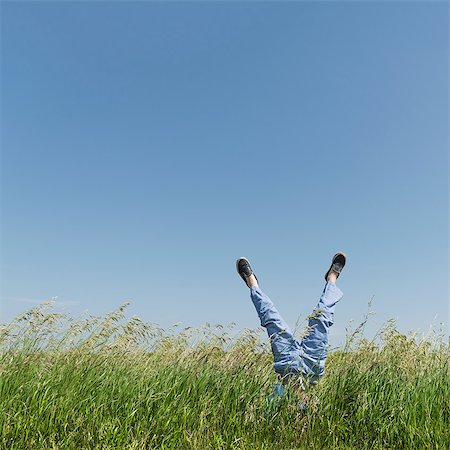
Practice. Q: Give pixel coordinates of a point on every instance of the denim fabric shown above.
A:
(305, 357)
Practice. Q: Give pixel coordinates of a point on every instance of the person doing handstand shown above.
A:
(297, 361)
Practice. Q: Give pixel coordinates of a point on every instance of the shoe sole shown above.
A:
(332, 261)
(237, 266)
(237, 269)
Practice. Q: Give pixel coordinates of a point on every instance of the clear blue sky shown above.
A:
(147, 145)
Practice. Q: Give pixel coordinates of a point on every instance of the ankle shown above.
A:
(251, 281)
(332, 277)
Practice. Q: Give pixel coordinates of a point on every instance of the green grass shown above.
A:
(112, 383)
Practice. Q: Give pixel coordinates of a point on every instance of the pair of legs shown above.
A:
(292, 357)
(306, 357)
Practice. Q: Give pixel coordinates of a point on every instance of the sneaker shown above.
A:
(337, 264)
(244, 268)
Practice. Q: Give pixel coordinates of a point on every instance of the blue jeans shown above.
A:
(306, 357)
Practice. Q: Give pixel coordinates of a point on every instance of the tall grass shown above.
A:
(116, 383)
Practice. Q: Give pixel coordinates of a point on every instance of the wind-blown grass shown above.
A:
(112, 383)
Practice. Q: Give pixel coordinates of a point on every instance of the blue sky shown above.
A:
(147, 145)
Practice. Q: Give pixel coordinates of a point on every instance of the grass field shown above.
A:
(116, 383)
